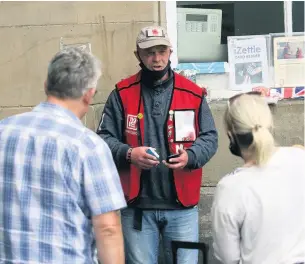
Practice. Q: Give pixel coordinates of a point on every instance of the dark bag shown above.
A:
(190, 245)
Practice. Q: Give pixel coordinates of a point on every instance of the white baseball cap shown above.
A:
(152, 36)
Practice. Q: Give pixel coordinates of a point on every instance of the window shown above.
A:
(240, 18)
(298, 16)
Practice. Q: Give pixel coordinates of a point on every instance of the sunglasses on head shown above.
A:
(233, 98)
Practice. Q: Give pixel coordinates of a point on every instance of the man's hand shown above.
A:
(143, 160)
(178, 163)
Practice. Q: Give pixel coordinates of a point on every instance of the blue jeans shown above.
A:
(142, 246)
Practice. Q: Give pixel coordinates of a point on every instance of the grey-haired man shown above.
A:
(58, 179)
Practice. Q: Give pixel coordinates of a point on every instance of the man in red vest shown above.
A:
(157, 108)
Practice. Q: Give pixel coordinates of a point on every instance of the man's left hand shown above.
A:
(178, 163)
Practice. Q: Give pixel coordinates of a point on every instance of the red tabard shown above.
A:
(186, 97)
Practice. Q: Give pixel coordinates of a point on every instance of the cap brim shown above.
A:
(154, 42)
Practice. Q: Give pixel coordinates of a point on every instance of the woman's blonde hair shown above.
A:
(250, 113)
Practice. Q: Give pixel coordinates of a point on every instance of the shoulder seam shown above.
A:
(126, 87)
(188, 91)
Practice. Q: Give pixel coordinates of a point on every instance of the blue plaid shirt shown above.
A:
(55, 174)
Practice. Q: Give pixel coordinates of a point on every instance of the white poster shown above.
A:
(289, 62)
(248, 62)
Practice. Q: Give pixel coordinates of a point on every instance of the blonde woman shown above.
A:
(258, 213)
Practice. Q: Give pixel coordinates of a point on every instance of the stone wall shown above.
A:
(30, 34)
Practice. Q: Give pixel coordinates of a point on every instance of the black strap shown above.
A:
(137, 220)
(190, 245)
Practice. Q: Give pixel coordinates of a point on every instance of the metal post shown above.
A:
(288, 17)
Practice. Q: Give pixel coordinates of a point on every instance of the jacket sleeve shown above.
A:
(111, 129)
(206, 144)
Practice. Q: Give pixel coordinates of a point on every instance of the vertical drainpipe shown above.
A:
(288, 17)
(171, 24)
(159, 13)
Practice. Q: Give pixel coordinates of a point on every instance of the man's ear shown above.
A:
(45, 85)
(88, 96)
(137, 55)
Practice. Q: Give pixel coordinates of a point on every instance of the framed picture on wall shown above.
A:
(289, 61)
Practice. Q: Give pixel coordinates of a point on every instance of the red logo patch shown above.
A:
(131, 122)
